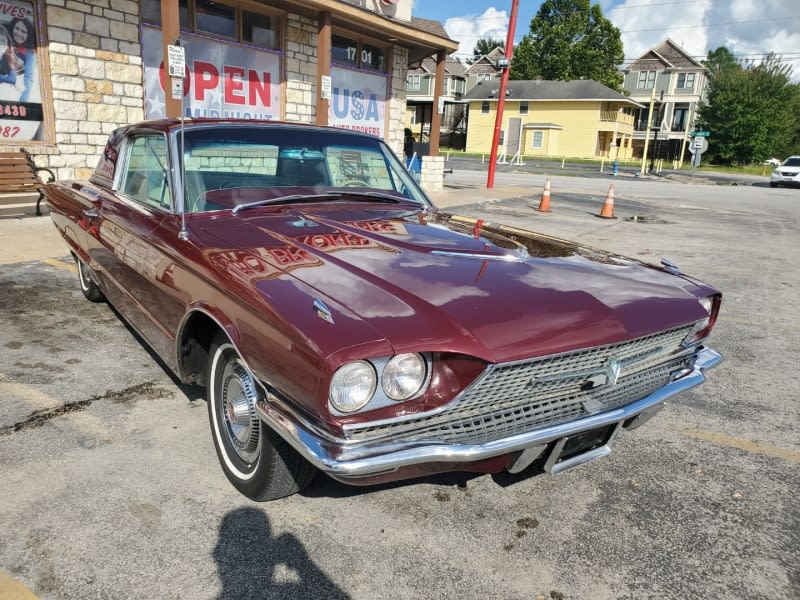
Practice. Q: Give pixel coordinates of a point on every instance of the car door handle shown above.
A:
(91, 212)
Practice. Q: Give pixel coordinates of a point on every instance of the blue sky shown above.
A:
(749, 28)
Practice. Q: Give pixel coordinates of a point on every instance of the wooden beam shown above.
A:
(170, 31)
(436, 117)
(323, 64)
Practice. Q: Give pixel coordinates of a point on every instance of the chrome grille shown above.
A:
(514, 398)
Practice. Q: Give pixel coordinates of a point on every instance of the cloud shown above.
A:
(468, 29)
(749, 30)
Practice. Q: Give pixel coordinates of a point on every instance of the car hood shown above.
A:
(437, 282)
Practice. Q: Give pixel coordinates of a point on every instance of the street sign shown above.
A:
(704, 134)
(698, 145)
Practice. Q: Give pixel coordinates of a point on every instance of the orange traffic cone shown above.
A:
(607, 212)
(544, 203)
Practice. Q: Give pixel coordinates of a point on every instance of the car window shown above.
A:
(272, 159)
(145, 178)
(792, 161)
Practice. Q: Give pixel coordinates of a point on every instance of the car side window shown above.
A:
(146, 179)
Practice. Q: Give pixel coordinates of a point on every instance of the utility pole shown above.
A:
(501, 98)
(647, 131)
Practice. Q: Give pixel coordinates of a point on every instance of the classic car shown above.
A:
(340, 322)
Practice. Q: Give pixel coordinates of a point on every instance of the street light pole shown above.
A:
(501, 98)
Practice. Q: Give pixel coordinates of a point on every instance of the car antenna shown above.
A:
(183, 234)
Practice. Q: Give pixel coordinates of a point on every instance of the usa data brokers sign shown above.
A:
(220, 79)
(358, 102)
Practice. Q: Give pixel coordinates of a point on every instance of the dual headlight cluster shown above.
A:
(401, 377)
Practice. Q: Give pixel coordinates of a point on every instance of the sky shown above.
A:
(749, 28)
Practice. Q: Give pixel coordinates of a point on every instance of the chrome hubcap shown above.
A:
(239, 396)
(85, 279)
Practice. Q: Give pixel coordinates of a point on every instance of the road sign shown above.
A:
(704, 134)
(698, 145)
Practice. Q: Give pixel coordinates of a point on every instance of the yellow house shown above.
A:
(582, 119)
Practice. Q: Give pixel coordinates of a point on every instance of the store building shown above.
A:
(83, 68)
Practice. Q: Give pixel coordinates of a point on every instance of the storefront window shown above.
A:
(353, 52)
(22, 113)
(216, 18)
(344, 50)
(259, 29)
(221, 20)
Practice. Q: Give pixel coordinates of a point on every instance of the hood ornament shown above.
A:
(323, 312)
(670, 266)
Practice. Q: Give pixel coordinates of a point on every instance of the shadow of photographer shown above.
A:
(255, 565)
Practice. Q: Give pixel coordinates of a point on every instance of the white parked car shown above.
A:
(787, 173)
(775, 162)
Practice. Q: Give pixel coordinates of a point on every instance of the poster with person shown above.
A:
(20, 88)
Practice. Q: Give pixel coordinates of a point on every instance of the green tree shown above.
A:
(484, 46)
(721, 59)
(570, 39)
(751, 112)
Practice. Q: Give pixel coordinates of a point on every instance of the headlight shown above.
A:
(352, 386)
(702, 328)
(403, 376)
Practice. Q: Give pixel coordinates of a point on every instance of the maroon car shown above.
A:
(340, 322)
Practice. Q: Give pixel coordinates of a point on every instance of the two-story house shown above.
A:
(420, 87)
(678, 80)
(485, 69)
(580, 118)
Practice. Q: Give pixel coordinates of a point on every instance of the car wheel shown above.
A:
(256, 460)
(88, 287)
(773, 184)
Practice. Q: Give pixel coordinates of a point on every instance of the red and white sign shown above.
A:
(221, 79)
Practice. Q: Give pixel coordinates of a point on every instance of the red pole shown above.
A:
(501, 99)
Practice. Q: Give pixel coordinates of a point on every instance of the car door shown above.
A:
(129, 257)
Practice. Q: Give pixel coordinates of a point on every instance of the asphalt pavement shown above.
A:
(110, 487)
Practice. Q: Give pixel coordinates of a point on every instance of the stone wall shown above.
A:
(96, 79)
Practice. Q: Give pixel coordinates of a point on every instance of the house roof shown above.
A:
(580, 89)
(489, 60)
(667, 55)
(428, 66)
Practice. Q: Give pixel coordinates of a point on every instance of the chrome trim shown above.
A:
(347, 459)
(522, 255)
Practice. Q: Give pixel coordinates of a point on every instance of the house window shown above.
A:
(523, 107)
(679, 118)
(222, 20)
(502, 139)
(686, 81)
(537, 141)
(485, 107)
(647, 80)
(484, 77)
(412, 84)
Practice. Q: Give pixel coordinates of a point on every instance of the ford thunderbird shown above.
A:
(341, 323)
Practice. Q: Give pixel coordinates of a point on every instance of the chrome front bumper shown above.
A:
(353, 460)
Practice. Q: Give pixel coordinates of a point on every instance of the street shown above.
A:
(111, 487)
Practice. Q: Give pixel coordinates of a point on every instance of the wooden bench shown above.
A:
(18, 173)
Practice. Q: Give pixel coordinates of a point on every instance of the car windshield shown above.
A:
(792, 161)
(230, 166)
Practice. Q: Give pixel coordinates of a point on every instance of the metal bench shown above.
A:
(18, 173)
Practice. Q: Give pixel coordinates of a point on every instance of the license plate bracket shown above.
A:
(580, 448)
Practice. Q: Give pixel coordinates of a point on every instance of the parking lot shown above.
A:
(110, 486)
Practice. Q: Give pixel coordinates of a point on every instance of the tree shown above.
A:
(484, 46)
(721, 59)
(751, 112)
(570, 39)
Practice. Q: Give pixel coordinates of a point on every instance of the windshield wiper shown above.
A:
(375, 195)
(379, 196)
(279, 200)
